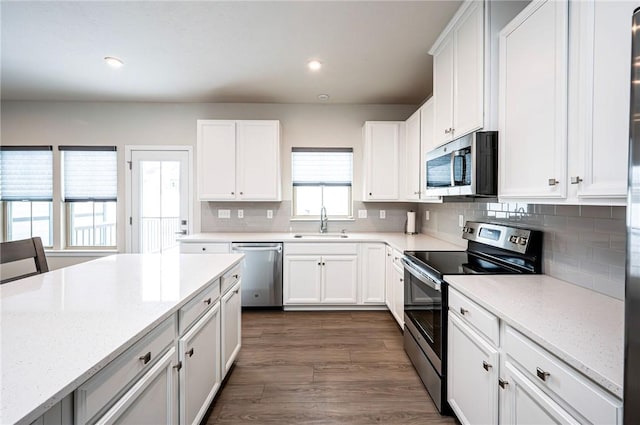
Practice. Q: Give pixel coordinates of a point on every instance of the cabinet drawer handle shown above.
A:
(463, 311)
(486, 366)
(190, 352)
(146, 358)
(503, 384)
(204, 249)
(207, 301)
(542, 374)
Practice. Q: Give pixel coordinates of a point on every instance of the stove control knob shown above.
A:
(513, 239)
(522, 241)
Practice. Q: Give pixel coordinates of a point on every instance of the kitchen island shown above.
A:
(60, 328)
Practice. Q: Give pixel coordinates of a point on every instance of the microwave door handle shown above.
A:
(453, 166)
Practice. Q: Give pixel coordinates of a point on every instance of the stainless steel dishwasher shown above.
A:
(261, 273)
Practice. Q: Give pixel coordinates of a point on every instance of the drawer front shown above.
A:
(555, 376)
(230, 278)
(198, 305)
(478, 317)
(320, 248)
(204, 248)
(95, 394)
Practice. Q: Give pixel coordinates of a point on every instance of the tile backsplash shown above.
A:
(584, 245)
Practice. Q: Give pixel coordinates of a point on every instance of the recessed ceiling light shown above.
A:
(113, 62)
(323, 97)
(314, 65)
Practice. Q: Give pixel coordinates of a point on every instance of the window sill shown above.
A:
(79, 252)
(317, 219)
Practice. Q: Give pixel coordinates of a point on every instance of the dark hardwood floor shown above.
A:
(323, 368)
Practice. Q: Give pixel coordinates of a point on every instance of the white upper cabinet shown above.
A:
(564, 103)
(465, 69)
(427, 143)
(533, 103)
(599, 76)
(412, 159)
(238, 160)
(382, 144)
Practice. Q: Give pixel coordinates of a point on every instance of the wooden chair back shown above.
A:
(22, 250)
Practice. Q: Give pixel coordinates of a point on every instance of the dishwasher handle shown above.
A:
(256, 248)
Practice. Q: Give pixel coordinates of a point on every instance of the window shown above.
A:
(90, 184)
(322, 177)
(26, 192)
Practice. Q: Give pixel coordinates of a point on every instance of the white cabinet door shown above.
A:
(427, 144)
(389, 279)
(443, 91)
(231, 312)
(301, 279)
(381, 160)
(339, 279)
(152, 400)
(468, 72)
(258, 166)
(216, 153)
(522, 402)
(199, 352)
(411, 164)
(533, 103)
(599, 95)
(398, 295)
(472, 389)
(372, 273)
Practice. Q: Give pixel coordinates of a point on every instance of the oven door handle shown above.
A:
(422, 277)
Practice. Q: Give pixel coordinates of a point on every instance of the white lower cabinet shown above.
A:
(200, 375)
(521, 402)
(372, 272)
(388, 278)
(152, 400)
(398, 295)
(231, 310)
(317, 274)
(472, 389)
(498, 375)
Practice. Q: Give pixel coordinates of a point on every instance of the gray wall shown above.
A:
(584, 245)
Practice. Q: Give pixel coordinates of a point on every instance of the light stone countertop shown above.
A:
(60, 328)
(397, 240)
(582, 327)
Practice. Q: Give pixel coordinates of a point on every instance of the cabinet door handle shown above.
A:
(233, 193)
(190, 352)
(204, 249)
(178, 366)
(503, 384)
(542, 374)
(236, 291)
(207, 301)
(553, 182)
(401, 280)
(319, 264)
(486, 366)
(463, 311)
(323, 263)
(241, 193)
(235, 276)
(370, 194)
(446, 131)
(576, 180)
(146, 358)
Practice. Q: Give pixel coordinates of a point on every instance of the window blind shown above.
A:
(90, 173)
(26, 173)
(322, 166)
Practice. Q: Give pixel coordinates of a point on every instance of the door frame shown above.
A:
(128, 149)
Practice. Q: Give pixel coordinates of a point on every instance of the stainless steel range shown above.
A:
(492, 249)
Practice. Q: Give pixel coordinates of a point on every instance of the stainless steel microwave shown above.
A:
(466, 166)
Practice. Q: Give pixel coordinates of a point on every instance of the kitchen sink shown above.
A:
(321, 235)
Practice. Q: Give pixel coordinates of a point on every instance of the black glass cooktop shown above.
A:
(457, 262)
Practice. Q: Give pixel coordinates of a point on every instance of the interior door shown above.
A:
(159, 199)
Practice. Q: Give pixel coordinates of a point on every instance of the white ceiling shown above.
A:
(374, 52)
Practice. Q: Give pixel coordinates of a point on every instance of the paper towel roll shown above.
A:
(411, 223)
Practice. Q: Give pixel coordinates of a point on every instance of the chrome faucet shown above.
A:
(323, 220)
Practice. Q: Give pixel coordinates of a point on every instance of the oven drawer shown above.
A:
(558, 378)
(476, 316)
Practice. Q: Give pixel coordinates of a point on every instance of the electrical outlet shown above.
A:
(362, 213)
(269, 213)
(461, 220)
(383, 214)
(240, 213)
(224, 213)
(426, 215)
